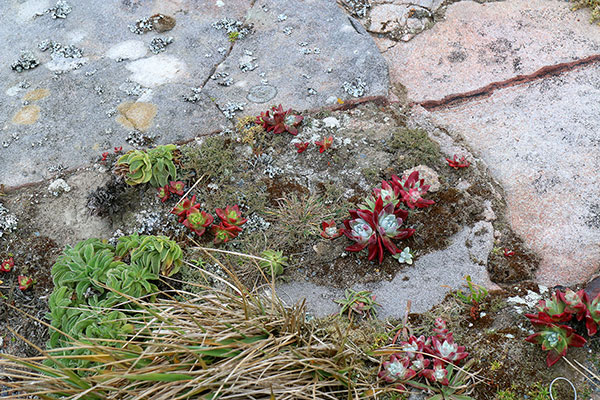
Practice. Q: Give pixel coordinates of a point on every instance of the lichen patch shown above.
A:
(27, 115)
(136, 115)
(37, 94)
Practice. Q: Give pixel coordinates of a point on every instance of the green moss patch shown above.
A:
(414, 147)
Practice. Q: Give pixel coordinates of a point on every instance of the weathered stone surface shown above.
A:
(386, 17)
(64, 113)
(425, 283)
(298, 67)
(541, 142)
(478, 44)
(401, 20)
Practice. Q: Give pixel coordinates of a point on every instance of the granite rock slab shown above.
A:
(478, 44)
(69, 109)
(541, 141)
(424, 283)
(301, 54)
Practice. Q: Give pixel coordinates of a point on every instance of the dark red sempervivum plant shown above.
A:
(231, 216)
(412, 191)
(280, 121)
(376, 229)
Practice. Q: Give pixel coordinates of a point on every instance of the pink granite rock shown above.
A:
(540, 140)
(477, 44)
(385, 17)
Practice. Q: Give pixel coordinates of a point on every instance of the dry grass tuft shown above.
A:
(298, 218)
(225, 344)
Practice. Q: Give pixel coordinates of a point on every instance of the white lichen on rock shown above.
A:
(8, 222)
(58, 186)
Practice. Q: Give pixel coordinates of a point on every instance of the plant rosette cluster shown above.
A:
(173, 187)
(424, 361)
(190, 215)
(273, 262)
(277, 120)
(551, 317)
(323, 144)
(360, 303)
(7, 265)
(380, 218)
(156, 166)
(457, 163)
(330, 230)
(25, 282)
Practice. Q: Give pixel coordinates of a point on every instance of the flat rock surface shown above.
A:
(541, 142)
(284, 62)
(68, 110)
(81, 115)
(477, 44)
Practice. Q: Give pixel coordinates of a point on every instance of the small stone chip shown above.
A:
(162, 23)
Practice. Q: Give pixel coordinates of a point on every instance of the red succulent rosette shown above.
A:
(223, 232)
(25, 282)
(324, 144)
(460, 163)
(7, 265)
(184, 207)
(176, 187)
(163, 193)
(330, 230)
(280, 121)
(376, 229)
(198, 221)
(231, 216)
(412, 191)
(301, 146)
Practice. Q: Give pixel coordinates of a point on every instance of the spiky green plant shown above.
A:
(156, 166)
(273, 263)
(475, 295)
(158, 253)
(361, 303)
